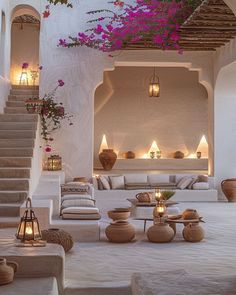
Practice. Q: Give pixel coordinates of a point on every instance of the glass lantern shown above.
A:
(54, 163)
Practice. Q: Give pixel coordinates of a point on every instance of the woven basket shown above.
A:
(58, 236)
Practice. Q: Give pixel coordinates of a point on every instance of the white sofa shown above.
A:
(110, 198)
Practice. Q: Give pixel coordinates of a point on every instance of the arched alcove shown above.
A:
(131, 120)
(2, 44)
(25, 32)
(225, 123)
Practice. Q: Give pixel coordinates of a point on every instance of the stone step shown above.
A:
(14, 143)
(15, 162)
(16, 152)
(10, 210)
(6, 222)
(21, 97)
(18, 126)
(25, 87)
(24, 91)
(14, 173)
(14, 184)
(13, 197)
(18, 118)
(17, 134)
(15, 103)
(15, 110)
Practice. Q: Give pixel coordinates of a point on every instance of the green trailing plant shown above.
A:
(62, 2)
(166, 195)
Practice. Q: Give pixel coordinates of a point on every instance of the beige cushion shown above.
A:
(76, 196)
(94, 216)
(117, 182)
(194, 180)
(184, 182)
(179, 177)
(158, 178)
(202, 178)
(201, 186)
(135, 178)
(105, 182)
(80, 210)
(70, 188)
(77, 203)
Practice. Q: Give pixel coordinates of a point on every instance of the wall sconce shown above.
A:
(28, 230)
(154, 85)
(154, 151)
(54, 163)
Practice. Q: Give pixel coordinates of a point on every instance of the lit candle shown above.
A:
(157, 194)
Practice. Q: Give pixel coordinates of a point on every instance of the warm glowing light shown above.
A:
(154, 148)
(203, 147)
(104, 144)
(29, 230)
(145, 156)
(157, 194)
(192, 156)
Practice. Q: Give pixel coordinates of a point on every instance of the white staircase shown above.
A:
(17, 136)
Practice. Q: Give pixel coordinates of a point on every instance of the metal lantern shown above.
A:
(54, 163)
(24, 80)
(28, 229)
(154, 85)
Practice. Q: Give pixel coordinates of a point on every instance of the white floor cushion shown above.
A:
(77, 203)
(81, 210)
(76, 197)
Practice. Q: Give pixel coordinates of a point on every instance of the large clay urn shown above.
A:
(7, 270)
(160, 233)
(107, 158)
(120, 232)
(193, 232)
(228, 187)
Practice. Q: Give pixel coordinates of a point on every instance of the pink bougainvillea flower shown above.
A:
(98, 30)
(47, 7)
(25, 65)
(48, 149)
(61, 83)
(46, 14)
(62, 42)
(40, 68)
(119, 3)
(60, 111)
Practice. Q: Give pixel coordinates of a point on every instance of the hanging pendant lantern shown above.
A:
(154, 85)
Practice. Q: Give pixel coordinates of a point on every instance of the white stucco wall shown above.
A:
(131, 120)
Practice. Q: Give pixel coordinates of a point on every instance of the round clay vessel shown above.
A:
(118, 215)
(160, 233)
(120, 232)
(178, 155)
(7, 270)
(130, 155)
(189, 214)
(107, 158)
(144, 197)
(58, 236)
(193, 232)
(228, 187)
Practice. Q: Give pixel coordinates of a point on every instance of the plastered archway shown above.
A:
(225, 125)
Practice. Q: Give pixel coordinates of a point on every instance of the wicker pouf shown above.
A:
(58, 236)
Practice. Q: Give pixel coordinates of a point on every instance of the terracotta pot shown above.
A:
(160, 233)
(7, 270)
(228, 187)
(189, 214)
(193, 232)
(130, 155)
(178, 155)
(107, 158)
(118, 215)
(120, 232)
(144, 197)
(58, 236)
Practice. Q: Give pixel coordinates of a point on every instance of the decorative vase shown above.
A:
(160, 233)
(228, 187)
(120, 232)
(193, 232)
(199, 155)
(107, 158)
(178, 155)
(118, 215)
(7, 270)
(58, 236)
(130, 155)
(189, 214)
(144, 197)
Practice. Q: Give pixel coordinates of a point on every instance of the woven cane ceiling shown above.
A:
(212, 25)
(26, 19)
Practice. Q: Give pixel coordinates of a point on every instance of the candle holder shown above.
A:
(199, 155)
